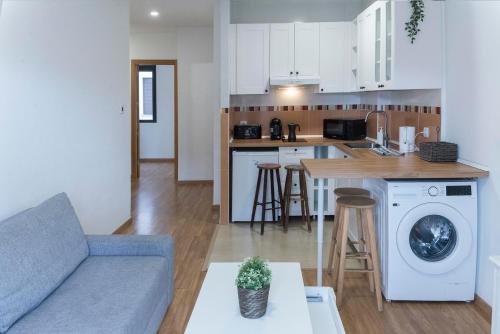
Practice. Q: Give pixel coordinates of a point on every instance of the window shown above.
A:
(147, 94)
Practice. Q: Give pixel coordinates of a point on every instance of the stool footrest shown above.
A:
(359, 270)
(360, 255)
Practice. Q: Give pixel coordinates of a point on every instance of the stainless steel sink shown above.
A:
(386, 152)
(361, 145)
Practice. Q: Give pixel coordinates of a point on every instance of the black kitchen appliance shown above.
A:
(292, 128)
(345, 129)
(247, 131)
(276, 129)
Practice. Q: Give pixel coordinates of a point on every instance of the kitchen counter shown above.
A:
(309, 141)
(367, 164)
(405, 167)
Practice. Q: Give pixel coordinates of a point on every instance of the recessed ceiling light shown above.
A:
(154, 13)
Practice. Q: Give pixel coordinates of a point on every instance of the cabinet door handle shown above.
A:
(291, 72)
(297, 73)
(380, 86)
(362, 87)
(267, 91)
(322, 90)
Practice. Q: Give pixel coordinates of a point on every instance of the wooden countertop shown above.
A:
(406, 167)
(366, 164)
(266, 142)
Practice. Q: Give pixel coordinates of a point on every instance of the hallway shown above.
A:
(160, 206)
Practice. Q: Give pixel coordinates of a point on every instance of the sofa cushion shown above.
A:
(39, 248)
(106, 294)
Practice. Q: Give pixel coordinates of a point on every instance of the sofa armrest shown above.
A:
(131, 245)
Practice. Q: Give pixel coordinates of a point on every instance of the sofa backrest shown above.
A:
(39, 248)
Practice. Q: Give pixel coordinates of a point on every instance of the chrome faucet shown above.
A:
(386, 131)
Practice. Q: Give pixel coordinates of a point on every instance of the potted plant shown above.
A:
(253, 283)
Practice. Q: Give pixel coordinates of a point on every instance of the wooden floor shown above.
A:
(185, 211)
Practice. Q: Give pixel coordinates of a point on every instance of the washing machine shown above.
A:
(427, 238)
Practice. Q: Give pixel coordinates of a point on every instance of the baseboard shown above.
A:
(194, 182)
(123, 227)
(156, 160)
(484, 309)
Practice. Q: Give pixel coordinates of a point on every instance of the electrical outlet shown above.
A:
(427, 132)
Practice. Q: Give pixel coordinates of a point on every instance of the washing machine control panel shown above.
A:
(433, 191)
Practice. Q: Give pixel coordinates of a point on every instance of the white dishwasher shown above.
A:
(244, 181)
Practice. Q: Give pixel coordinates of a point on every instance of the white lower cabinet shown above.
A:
(292, 156)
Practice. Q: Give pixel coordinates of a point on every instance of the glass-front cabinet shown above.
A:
(383, 44)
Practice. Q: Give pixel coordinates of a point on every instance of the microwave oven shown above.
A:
(251, 131)
(344, 129)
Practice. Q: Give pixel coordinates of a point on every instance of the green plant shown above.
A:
(254, 274)
(416, 17)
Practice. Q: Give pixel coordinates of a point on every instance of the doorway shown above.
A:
(147, 94)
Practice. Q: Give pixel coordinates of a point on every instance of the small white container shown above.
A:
(380, 136)
(403, 143)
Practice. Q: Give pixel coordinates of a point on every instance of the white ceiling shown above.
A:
(173, 13)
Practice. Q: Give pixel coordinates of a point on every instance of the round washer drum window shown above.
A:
(433, 238)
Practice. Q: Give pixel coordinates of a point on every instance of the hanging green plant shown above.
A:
(417, 16)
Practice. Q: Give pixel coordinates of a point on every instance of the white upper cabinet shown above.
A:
(366, 50)
(371, 53)
(282, 50)
(307, 50)
(386, 57)
(333, 58)
(252, 58)
(294, 51)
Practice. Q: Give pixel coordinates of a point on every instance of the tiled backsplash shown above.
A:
(310, 117)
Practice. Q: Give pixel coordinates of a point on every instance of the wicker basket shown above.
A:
(439, 152)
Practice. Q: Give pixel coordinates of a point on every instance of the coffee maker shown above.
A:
(276, 129)
(292, 128)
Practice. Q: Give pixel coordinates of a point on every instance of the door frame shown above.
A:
(134, 63)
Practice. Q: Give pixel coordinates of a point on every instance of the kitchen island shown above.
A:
(367, 164)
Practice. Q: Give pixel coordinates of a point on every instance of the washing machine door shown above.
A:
(434, 238)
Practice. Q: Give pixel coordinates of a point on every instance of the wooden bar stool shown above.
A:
(302, 195)
(342, 192)
(273, 170)
(367, 241)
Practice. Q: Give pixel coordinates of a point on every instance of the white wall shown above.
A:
(294, 96)
(157, 140)
(64, 77)
(419, 97)
(193, 45)
(222, 14)
(278, 11)
(471, 116)
(153, 44)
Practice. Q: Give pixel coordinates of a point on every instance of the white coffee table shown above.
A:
(217, 309)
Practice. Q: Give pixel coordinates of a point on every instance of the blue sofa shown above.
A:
(55, 279)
